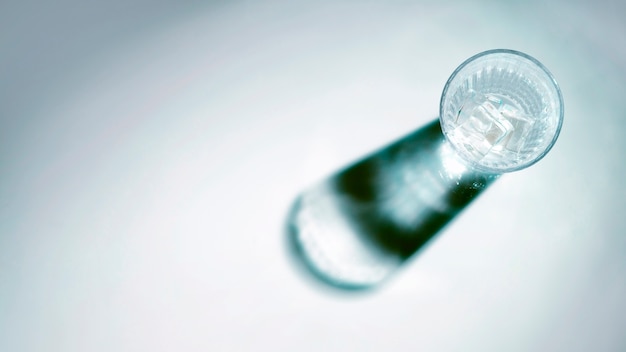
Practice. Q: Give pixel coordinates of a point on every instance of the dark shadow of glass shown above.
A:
(356, 228)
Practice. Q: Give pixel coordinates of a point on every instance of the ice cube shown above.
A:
(481, 125)
(490, 124)
(521, 125)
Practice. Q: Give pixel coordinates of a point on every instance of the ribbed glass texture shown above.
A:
(501, 110)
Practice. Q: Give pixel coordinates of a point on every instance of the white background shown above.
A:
(150, 151)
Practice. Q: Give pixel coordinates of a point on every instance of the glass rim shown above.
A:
(551, 79)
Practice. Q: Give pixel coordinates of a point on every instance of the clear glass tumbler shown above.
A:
(500, 111)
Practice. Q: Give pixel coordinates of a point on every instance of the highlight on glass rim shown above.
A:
(501, 110)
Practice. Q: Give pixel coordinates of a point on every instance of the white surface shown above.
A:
(150, 152)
